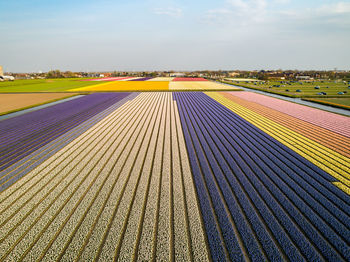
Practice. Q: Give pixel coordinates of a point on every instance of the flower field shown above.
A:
(334, 122)
(147, 79)
(162, 79)
(109, 79)
(185, 176)
(141, 79)
(190, 79)
(198, 86)
(156, 84)
(126, 86)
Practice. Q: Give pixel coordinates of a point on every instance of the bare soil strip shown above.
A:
(11, 102)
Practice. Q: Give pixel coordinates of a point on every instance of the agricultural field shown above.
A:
(198, 86)
(168, 79)
(123, 86)
(13, 102)
(186, 79)
(300, 89)
(109, 79)
(185, 176)
(339, 102)
(155, 84)
(112, 84)
(162, 79)
(42, 85)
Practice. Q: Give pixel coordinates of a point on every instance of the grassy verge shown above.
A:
(343, 105)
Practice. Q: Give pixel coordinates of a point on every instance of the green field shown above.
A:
(305, 89)
(339, 102)
(43, 85)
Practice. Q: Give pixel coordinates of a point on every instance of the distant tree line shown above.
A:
(59, 74)
(216, 74)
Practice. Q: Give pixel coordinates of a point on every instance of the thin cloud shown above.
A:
(325, 17)
(281, 1)
(169, 11)
(237, 12)
(249, 7)
(260, 13)
(336, 8)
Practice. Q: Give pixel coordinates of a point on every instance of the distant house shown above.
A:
(304, 78)
(242, 79)
(177, 74)
(1, 71)
(233, 74)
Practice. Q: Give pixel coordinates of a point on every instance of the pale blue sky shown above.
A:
(180, 35)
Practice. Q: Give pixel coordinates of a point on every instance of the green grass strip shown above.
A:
(326, 103)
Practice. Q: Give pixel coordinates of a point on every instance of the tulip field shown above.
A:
(199, 175)
(123, 84)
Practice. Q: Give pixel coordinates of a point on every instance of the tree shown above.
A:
(54, 74)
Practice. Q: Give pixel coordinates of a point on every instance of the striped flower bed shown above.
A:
(244, 176)
(332, 140)
(168, 79)
(108, 79)
(24, 134)
(16, 171)
(336, 123)
(142, 79)
(189, 79)
(168, 176)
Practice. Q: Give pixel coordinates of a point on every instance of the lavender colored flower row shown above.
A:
(142, 79)
(22, 135)
(250, 183)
